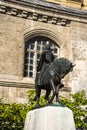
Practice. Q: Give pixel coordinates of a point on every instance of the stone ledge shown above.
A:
(52, 6)
(38, 9)
(26, 85)
(16, 84)
(33, 16)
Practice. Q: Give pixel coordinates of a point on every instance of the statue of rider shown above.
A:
(46, 59)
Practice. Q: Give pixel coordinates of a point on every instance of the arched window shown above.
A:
(33, 50)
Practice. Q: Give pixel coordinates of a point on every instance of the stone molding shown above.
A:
(43, 11)
(46, 7)
(33, 16)
(26, 85)
(44, 32)
(16, 84)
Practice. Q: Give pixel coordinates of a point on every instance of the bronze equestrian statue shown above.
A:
(49, 78)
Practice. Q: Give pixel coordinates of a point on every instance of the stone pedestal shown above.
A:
(50, 118)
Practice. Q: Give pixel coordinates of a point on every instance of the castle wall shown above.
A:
(69, 32)
(79, 55)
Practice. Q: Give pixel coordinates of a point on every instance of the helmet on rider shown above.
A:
(47, 46)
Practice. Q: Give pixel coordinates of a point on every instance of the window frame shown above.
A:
(35, 50)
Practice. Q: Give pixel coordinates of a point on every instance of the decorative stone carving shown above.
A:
(2, 9)
(33, 15)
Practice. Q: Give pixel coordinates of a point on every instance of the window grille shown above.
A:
(33, 50)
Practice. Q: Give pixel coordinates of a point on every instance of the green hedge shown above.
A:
(12, 116)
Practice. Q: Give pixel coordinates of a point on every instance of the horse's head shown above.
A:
(65, 66)
(69, 67)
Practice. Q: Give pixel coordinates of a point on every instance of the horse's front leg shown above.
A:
(54, 91)
(48, 91)
(57, 93)
(38, 92)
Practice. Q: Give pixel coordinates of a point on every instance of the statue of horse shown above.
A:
(52, 78)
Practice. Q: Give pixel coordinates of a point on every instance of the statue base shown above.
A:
(50, 118)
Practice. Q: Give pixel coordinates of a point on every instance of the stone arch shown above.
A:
(44, 32)
(29, 35)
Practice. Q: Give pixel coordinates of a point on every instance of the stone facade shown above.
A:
(22, 20)
(79, 49)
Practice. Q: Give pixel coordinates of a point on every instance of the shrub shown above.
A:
(12, 116)
(79, 100)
